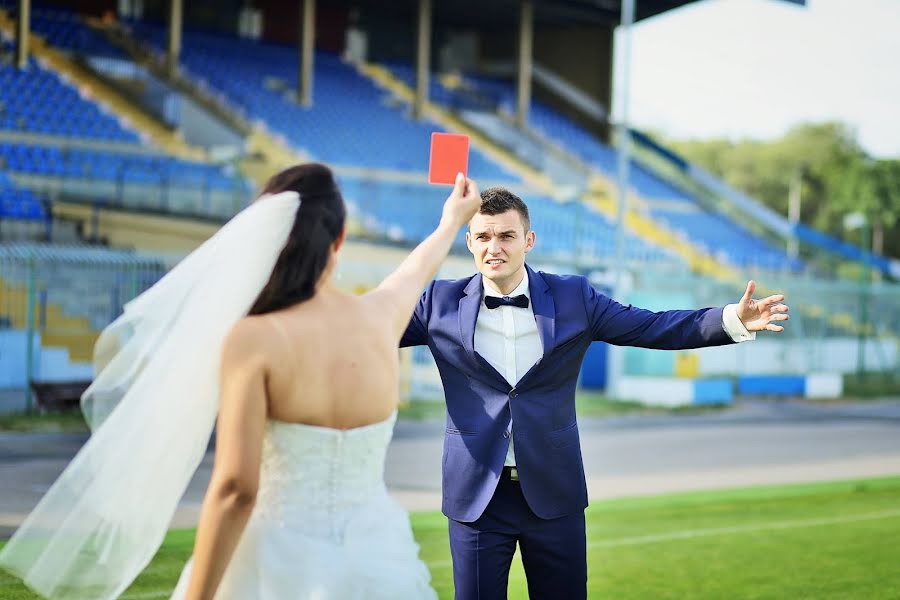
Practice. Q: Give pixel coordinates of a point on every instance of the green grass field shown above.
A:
(817, 541)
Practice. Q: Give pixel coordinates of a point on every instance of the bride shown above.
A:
(248, 332)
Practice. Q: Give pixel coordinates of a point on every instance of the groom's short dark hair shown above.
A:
(497, 200)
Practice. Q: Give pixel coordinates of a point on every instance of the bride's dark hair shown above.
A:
(318, 223)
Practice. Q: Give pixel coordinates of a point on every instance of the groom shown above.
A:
(509, 344)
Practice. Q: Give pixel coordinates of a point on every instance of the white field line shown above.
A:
(684, 534)
(697, 533)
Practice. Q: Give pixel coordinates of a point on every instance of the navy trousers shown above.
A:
(554, 551)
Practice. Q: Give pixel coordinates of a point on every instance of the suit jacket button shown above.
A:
(513, 394)
(506, 434)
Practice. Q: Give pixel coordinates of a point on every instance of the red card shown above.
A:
(449, 156)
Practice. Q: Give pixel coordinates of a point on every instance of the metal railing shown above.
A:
(55, 300)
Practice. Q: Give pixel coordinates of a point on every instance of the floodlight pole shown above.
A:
(623, 139)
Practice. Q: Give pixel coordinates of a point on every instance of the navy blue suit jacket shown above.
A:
(481, 405)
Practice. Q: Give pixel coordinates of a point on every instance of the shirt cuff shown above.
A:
(733, 326)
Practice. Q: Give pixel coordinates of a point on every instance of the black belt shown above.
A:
(510, 473)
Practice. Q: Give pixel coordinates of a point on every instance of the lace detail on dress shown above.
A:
(315, 479)
(323, 525)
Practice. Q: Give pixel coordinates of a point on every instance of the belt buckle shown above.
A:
(513, 474)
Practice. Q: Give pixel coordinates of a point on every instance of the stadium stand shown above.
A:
(49, 130)
(675, 209)
(258, 80)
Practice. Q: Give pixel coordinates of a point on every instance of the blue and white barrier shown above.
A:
(813, 385)
(672, 391)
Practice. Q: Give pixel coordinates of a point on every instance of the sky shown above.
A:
(754, 68)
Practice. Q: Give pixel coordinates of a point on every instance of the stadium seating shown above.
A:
(409, 212)
(714, 233)
(37, 101)
(104, 165)
(257, 79)
(349, 122)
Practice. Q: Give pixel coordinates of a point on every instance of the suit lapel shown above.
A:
(469, 305)
(544, 309)
(468, 314)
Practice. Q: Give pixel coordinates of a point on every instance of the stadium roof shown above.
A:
(489, 14)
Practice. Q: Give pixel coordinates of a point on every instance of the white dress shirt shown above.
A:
(507, 337)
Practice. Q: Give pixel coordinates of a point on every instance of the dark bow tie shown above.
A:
(493, 301)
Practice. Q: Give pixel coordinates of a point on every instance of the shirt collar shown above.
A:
(522, 288)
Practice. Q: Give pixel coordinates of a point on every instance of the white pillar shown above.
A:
(623, 139)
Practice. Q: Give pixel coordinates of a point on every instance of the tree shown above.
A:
(837, 177)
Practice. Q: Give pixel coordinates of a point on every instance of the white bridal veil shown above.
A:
(152, 408)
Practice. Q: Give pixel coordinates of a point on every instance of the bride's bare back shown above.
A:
(333, 361)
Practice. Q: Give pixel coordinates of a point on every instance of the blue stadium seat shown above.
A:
(349, 122)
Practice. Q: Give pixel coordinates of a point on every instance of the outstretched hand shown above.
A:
(463, 202)
(759, 315)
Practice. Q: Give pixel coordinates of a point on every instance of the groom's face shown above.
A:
(499, 244)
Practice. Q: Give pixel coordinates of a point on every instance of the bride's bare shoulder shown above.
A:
(251, 336)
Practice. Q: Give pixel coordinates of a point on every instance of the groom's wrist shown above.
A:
(733, 325)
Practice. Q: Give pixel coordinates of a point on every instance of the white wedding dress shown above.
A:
(324, 526)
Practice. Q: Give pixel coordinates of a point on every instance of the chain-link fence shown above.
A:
(54, 301)
(835, 326)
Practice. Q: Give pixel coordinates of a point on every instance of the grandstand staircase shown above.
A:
(89, 84)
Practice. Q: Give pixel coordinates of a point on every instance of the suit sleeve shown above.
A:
(623, 325)
(416, 333)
